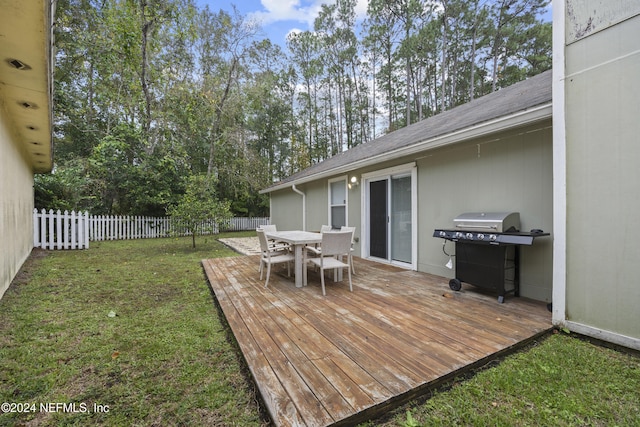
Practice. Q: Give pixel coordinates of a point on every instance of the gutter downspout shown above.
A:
(304, 206)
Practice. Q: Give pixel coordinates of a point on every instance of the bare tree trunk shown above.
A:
(390, 93)
(341, 113)
(496, 47)
(408, 72)
(443, 71)
(215, 129)
(472, 59)
(144, 78)
(473, 62)
(418, 94)
(363, 136)
(443, 77)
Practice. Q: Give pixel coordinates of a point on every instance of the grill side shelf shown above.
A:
(514, 238)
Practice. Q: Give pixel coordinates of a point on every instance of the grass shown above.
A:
(128, 325)
(560, 381)
(128, 332)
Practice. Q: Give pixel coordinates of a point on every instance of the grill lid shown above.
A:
(499, 222)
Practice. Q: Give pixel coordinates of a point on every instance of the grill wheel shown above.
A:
(455, 284)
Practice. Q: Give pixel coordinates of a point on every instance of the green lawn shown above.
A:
(560, 381)
(127, 333)
(129, 325)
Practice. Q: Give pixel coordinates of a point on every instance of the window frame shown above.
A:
(330, 182)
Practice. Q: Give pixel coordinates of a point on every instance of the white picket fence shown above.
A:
(74, 230)
(55, 230)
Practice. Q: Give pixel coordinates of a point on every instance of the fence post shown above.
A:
(78, 227)
(43, 229)
(71, 234)
(52, 234)
(65, 229)
(58, 226)
(36, 232)
(94, 228)
(86, 224)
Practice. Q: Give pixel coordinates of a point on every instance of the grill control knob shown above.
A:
(459, 235)
(470, 236)
(443, 234)
(493, 237)
(480, 236)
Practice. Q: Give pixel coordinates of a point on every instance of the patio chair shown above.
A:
(353, 235)
(334, 245)
(275, 243)
(267, 228)
(273, 254)
(315, 249)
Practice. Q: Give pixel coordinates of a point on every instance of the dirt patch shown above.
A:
(29, 266)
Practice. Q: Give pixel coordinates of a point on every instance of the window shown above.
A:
(338, 203)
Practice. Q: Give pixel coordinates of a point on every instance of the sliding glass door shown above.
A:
(400, 219)
(378, 218)
(389, 216)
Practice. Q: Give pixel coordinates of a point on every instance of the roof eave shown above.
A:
(521, 118)
(26, 77)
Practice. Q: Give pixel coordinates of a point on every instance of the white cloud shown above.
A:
(288, 10)
(361, 8)
(303, 11)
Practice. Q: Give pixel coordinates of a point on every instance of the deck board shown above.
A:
(350, 356)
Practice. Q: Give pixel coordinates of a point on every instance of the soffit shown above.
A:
(26, 76)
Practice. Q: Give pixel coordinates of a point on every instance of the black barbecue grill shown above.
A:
(487, 250)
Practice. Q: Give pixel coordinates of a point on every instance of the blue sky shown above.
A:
(279, 17)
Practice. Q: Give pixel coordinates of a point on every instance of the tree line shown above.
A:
(150, 95)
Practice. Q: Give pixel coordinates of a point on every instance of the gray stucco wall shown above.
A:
(511, 171)
(286, 210)
(317, 204)
(602, 90)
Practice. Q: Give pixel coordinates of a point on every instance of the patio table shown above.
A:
(298, 239)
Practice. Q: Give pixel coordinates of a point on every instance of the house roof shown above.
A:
(520, 104)
(26, 76)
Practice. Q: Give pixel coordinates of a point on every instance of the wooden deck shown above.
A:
(349, 357)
